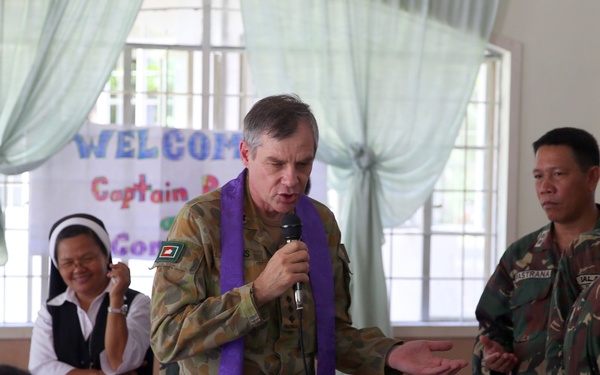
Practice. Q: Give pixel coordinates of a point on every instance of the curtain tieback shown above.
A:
(363, 156)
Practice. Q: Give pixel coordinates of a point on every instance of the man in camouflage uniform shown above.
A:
(515, 304)
(197, 322)
(576, 297)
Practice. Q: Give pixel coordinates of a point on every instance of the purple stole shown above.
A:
(321, 273)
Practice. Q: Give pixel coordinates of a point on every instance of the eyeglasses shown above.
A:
(71, 264)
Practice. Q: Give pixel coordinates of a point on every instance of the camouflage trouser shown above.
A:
(582, 339)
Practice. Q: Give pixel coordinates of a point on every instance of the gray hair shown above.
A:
(278, 116)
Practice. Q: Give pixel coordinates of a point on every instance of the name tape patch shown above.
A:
(533, 274)
(586, 280)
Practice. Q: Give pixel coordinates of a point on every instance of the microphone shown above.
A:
(291, 228)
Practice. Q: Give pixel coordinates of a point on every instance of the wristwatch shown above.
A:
(122, 310)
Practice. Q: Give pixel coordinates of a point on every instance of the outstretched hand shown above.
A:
(495, 357)
(416, 357)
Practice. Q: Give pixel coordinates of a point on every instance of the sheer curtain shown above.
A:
(389, 82)
(55, 57)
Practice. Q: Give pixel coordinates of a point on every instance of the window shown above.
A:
(23, 276)
(440, 257)
(167, 76)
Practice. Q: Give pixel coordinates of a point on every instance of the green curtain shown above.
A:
(389, 82)
(55, 57)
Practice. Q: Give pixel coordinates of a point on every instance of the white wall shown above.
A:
(560, 79)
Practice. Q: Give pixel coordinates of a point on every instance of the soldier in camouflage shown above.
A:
(573, 326)
(515, 305)
(196, 323)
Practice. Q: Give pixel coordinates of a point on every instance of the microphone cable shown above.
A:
(301, 343)
(291, 228)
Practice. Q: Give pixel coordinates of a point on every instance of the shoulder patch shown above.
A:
(170, 251)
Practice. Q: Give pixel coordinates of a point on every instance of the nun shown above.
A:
(92, 320)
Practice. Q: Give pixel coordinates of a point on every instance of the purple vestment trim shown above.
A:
(232, 263)
(321, 273)
(321, 281)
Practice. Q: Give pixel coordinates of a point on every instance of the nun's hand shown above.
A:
(120, 279)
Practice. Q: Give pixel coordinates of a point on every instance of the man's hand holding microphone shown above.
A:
(287, 268)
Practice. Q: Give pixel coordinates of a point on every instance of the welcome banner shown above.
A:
(135, 180)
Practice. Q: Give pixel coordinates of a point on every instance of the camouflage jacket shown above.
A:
(191, 319)
(514, 306)
(573, 326)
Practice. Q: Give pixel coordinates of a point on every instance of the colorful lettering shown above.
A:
(199, 145)
(137, 191)
(121, 246)
(99, 151)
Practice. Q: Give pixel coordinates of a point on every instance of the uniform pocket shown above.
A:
(530, 305)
